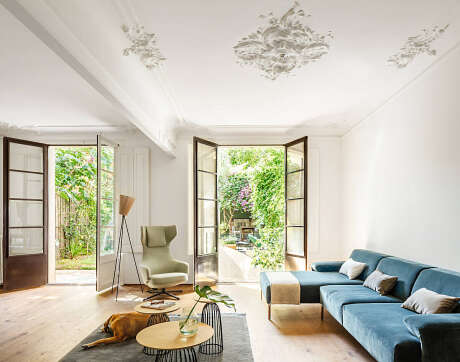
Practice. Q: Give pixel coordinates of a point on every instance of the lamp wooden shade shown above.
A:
(126, 203)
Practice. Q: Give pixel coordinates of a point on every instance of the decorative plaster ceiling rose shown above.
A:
(144, 45)
(416, 45)
(282, 45)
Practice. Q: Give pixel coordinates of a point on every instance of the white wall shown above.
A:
(401, 172)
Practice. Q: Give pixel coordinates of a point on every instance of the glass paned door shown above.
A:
(206, 211)
(25, 214)
(106, 208)
(296, 203)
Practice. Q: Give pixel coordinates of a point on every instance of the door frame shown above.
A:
(195, 190)
(7, 259)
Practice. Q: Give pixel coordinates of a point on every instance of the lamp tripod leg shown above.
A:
(132, 252)
(116, 259)
(119, 263)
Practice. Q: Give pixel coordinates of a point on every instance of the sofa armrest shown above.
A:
(439, 335)
(327, 266)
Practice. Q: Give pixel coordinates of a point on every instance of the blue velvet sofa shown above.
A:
(387, 331)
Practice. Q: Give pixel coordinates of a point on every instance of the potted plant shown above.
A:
(188, 324)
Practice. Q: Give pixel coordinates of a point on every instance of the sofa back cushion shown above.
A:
(440, 281)
(406, 271)
(371, 258)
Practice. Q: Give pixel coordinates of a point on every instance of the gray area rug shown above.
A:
(237, 346)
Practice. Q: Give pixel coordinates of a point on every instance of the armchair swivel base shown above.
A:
(157, 292)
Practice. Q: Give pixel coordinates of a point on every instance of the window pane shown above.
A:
(206, 185)
(206, 213)
(206, 270)
(206, 157)
(25, 241)
(25, 213)
(107, 158)
(107, 237)
(107, 185)
(207, 241)
(107, 212)
(295, 212)
(295, 185)
(26, 157)
(295, 157)
(26, 185)
(295, 241)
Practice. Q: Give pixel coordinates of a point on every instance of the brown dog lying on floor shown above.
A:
(122, 326)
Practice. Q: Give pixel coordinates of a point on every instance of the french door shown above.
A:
(106, 213)
(25, 214)
(206, 211)
(295, 168)
(206, 207)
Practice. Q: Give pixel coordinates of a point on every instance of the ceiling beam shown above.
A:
(57, 37)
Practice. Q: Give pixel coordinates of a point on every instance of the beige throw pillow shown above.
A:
(425, 301)
(380, 282)
(352, 269)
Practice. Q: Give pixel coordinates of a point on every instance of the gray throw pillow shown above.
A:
(425, 301)
(381, 283)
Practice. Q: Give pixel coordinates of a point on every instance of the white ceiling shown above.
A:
(38, 90)
(201, 84)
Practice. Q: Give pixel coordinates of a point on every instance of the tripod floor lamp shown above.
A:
(126, 203)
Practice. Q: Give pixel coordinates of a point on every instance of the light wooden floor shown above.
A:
(43, 324)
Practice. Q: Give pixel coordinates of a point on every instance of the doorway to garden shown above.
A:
(74, 171)
(251, 199)
(250, 210)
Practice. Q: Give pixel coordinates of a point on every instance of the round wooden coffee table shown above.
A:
(173, 346)
(156, 316)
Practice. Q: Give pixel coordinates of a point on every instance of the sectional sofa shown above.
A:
(379, 323)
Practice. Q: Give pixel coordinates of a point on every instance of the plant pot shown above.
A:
(188, 322)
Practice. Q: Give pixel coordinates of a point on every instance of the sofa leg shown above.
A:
(269, 312)
(322, 312)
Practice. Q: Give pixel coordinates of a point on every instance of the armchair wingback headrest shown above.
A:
(157, 236)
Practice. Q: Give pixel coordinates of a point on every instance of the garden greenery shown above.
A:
(252, 181)
(76, 185)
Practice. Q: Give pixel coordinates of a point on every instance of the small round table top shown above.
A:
(139, 308)
(167, 336)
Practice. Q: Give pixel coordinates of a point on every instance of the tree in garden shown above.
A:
(75, 182)
(234, 197)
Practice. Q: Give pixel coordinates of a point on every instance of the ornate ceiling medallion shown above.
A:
(144, 45)
(416, 45)
(282, 45)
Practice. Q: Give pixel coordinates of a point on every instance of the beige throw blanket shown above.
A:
(285, 288)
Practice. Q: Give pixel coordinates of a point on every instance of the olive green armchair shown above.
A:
(158, 268)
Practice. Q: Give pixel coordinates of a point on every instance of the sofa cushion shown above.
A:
(425, 301)
(380, 329)
(380, 282)
(406, 271)
(352, 269)
(371, 258)
(334, 297)
(440, 281)
(310, 282)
